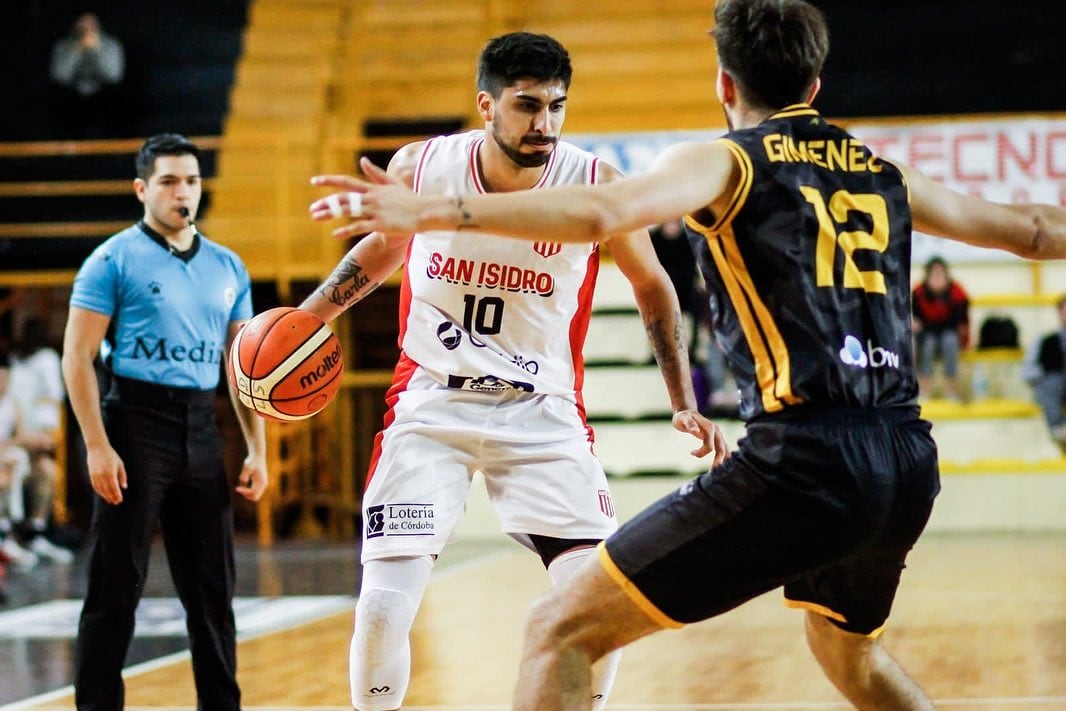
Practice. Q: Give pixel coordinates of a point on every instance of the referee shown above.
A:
(168, 301)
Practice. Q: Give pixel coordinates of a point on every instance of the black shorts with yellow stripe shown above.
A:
(825, 502)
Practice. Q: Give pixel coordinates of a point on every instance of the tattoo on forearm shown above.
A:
(466, 219)
(347, 284)
(668, 348)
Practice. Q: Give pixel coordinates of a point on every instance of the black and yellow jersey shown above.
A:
(809, 269)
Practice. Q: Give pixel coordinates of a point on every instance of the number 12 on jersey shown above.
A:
(830, 236)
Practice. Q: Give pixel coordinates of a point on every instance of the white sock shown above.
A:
(379, 659)
(605, 669)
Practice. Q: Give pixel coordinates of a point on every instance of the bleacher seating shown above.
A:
(626, 392)
(627, 404)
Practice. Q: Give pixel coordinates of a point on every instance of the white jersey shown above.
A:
(486, 313)
(37, 384)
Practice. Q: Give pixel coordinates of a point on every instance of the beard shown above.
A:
(523, 160)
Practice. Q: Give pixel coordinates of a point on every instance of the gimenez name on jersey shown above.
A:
(868, 356)
(400, 520)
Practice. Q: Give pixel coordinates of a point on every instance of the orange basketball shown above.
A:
(286, 364)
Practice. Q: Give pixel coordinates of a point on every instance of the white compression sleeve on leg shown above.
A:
(379, 660)
(603, 671)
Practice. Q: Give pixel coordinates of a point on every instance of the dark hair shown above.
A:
(521, 55)
(34, 336)
(163, 144)
(934, 262)
(773, 49)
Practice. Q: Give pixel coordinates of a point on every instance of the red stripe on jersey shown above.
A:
(476, 176)
(405, 295)
(594, 171)
(473, 166)
(405, 370)
(579, 328)
(416, 183)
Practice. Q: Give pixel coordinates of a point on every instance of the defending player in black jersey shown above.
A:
(804, 236)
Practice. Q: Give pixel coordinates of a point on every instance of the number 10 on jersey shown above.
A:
(483, 316)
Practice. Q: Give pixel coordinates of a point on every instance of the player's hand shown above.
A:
(695, 424)
(107, 473)
(253, 480)
(380, 203)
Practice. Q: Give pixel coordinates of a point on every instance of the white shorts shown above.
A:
(535, 452)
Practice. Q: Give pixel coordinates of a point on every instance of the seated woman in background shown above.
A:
(14, 467)
(37, 384)
(1045, 371)
(941, 310)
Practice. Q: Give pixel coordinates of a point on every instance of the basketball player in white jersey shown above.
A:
(490, 370)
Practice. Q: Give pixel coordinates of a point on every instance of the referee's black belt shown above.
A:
(141, 391)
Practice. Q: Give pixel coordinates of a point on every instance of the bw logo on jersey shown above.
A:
(872, 356)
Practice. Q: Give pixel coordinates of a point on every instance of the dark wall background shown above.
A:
(888, 57)
(180, 59)
(915, 57)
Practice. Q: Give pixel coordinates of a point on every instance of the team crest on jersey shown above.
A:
(387, 520)
(547, 249)
(606, 504)
(229, 295)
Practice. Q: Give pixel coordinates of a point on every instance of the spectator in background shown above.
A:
(14, 467)
(1045, 371)
(941, 310)
(37, 385)
(707, 361)
(86, 65)
(10, 298)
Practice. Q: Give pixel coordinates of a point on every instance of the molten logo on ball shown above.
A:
(286, 364)
(325, 367)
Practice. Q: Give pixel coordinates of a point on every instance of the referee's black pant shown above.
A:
(170, 443)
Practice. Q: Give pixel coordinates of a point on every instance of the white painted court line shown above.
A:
(261, 631)
(165, 617)
(1025, 701)
(960, 704)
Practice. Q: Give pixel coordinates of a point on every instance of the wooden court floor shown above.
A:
(980, 621)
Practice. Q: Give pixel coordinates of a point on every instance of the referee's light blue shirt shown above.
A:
(169, 316)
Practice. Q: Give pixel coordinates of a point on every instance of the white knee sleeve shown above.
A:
(606, 668)
(379, 661)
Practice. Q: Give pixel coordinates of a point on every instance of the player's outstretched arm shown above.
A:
(373, 258)
(1030, 230)
(659, 309)
(685, 178)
